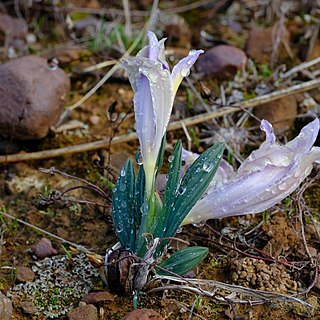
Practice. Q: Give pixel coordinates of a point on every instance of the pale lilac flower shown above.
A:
(154, 90)
(266, 177)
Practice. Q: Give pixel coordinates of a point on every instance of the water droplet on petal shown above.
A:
(139, 159)
(185, 71)
(123, 172)
(207, 166)
(170, 158)
(152, 77)
(283, 186)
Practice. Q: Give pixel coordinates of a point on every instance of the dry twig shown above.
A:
(216, 289)
(100, 144)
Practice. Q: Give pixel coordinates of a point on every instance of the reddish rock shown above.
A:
(98, 297)
(143, 314)
(12, 28)
(33, 96)
(221, 61)
(43, 249)
(5, 307)
(29, 307)
(260, 43)
(275, 111)
(24, 274)
(86, 312)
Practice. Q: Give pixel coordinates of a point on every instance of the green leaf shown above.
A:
(193, 185)
(139, 194)
(171, 188)
(183, 261)
(123, 207)
(161, 154)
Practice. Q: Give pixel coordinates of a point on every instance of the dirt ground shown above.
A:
(275, 251)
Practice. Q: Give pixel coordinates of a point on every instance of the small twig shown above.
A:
(264, 256)
(198, 297)
(300, 67)
(185, 130)
(211, 287)
(127, 27)
(100, 144)
(197, 94)
(313, 40)
(78, 247)
(96, 67)
(92, 186)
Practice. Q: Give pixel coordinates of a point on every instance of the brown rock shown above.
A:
(222, 61)
(24, 274)
(261, 41)
(86, 312)
(43, 249)
(97, 297)
(277, 110)
(5, 307)
(29, 307)
(11, 27)
(33, 97)
(143, 314)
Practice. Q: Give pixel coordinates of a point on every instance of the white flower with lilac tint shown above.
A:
(154, 90)
(266, 177)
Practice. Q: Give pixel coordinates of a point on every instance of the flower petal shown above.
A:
(268, 129)
(145, 116)
(305, 140)
(182, 69)
(155, 50)
(224, 171)
(154, 47)
(260, 184)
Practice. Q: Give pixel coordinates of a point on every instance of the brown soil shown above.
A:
(249, 251)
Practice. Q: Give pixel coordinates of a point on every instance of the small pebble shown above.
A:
(221, 61)
(5, 307)
(85, 312)
(143, 314)
(43, 249)
(29, 307)
(94, 120)
(24, 274)
(96, 297)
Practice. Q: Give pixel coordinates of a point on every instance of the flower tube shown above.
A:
(154, 91)
(265, 178)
